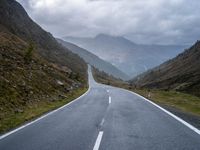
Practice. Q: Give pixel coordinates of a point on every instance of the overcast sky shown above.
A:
(143, 21)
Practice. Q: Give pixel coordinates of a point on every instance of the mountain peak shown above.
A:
(103, 36)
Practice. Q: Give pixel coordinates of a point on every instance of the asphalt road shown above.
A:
(105, 118)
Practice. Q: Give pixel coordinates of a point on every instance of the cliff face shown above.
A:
(180, 73)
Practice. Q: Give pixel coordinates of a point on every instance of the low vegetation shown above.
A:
(29, 52)
(102, 77)
(182, 101)
(17, 117)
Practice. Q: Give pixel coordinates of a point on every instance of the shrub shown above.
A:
(29, 53)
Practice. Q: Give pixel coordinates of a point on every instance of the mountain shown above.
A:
(129, 57)
(94, 60)
(15, 20)
(37, 73)
(180, 73)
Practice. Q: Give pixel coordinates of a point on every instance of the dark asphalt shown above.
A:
(130, 123)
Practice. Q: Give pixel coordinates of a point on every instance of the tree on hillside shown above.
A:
(29, 53)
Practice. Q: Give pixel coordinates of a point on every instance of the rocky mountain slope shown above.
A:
(180, 73)
(35, 71)
(95, 60)
(129, 57)
(15, 20)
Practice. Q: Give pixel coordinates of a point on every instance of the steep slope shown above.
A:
(180, 73)
(37, 74)
(94, 60)
(29, 85)
(15, 19)
(129, 57)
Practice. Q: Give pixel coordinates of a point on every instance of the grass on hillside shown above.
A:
(30, 85)
(181, 101)
(32, 111)
(104, 78)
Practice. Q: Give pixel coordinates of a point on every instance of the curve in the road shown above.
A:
(105, 118)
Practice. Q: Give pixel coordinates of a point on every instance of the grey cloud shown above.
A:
(143, 21)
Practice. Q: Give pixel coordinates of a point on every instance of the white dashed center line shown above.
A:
(102, 122)
(98, 141)
(109, 100)
(100, 135)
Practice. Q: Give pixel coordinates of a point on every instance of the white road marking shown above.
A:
(169, 113)
(102, 122)
(98, 141)
(109, 100)
(50, 113)
(107, 90)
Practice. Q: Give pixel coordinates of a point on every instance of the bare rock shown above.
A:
(62, 96)
(59, 82)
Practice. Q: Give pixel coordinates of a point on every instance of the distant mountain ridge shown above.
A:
(180, 73)
(126, 55)
(95, 60)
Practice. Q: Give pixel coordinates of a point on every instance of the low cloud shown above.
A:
(143, 21)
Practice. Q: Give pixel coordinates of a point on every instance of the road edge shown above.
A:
(167, 112)
(43, 116)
